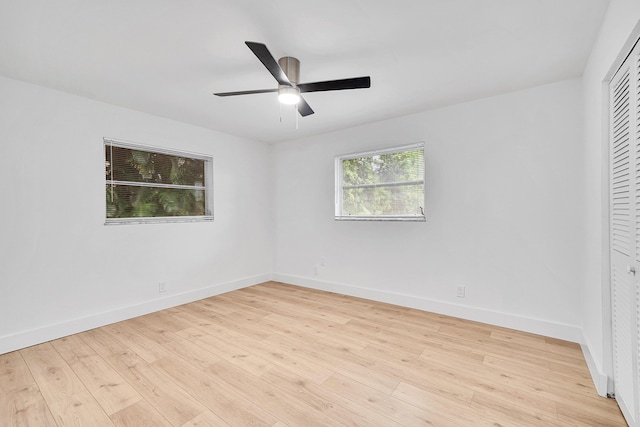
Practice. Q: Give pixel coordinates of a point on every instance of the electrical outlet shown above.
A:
(162, 287)
(461, 292)
(323, 262)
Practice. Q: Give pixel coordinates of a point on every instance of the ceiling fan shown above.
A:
(286, 71)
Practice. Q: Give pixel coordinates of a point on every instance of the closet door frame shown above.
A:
(612, 268)
(624, 149)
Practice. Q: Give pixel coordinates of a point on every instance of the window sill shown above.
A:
(158, 220)
(408, 218)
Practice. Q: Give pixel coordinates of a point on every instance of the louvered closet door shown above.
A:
(625, 234)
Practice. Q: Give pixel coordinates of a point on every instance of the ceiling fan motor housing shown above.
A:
(291, 67)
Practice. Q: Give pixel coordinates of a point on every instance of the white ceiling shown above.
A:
(167, 57)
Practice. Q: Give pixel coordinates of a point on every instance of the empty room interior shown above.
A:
(356, 212)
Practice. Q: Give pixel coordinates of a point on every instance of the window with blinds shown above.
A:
(381, 185)
(146, 184)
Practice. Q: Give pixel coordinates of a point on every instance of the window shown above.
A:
(146, 184)
(381, 185)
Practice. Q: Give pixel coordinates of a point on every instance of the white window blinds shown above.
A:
(146, 184)
(381, 185)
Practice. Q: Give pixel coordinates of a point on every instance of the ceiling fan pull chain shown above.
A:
(296, 116)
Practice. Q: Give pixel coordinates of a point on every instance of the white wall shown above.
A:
(504, 213)
(621, 19)
(516, 206)
(61, 269)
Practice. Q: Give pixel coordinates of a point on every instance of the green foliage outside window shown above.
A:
(146, 184)
(383, 184)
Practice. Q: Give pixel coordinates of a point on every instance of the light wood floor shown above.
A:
(278, 355)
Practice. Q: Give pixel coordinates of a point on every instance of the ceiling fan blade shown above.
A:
(342, 84)
(245, 92)
(303, 108)
(263, 54)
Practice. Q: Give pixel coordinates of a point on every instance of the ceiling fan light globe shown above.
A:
(288, 95)
(289, 99)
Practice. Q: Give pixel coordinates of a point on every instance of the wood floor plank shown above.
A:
(588, 416)
(484, 348)
(242, 323)
(207, 419)
(511, 349)
(160, 321)
(334, 405)
(577, 371)
(104, 343)
(135, 340)
(412, 369)
(157, 333)
(242, 305)
(213, 304)
(80, 409)
(272, 354)
(280, 355)
(286, 407)
(56, 380)
(501, 385)
(14, 373)
(25, 407)
(510, 414)
(293, 307)
(170, 401)
(438, 351)
(225, 350)
(372, 332)
(278, 291)
(327, 334)
(227, 402)
(343, 362)
(208, 317)
(428, 400)
(191, 352)
(541, 379)
(533, 341)
(140, 414)
(108, 387)
(384, 404)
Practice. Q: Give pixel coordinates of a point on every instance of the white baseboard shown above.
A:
(536, 326)
(600, 380)
(571, 333)
(50, 332)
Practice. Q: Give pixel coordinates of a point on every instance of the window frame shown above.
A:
(207, 184)
(339, 187)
